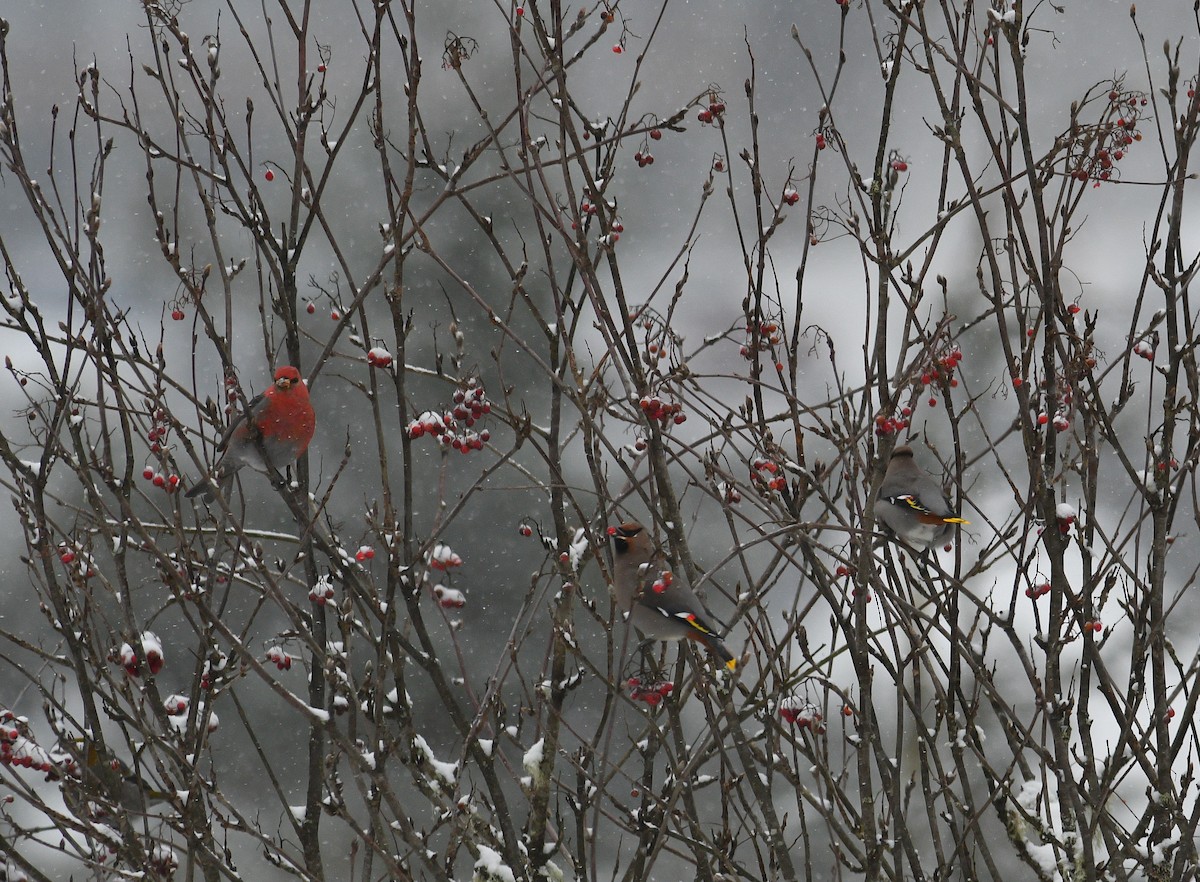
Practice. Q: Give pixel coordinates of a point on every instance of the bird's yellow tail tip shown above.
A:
(731, 664)
(955, 521)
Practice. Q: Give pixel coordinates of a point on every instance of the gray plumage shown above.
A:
(912, 505)
(669, 611)
(103, 783)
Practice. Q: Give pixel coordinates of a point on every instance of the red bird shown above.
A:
(281, 425)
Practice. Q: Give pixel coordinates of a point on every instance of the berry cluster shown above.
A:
(159, 429)
(1064, 514)
(175, 705)
(643, 158)
(449, 598)
(379, 357)
(322, 592)
(821, 140)
(279, 658)
(443, 557)
(168, 482)
(889, 425)
(1061, 420)
(1163, 464)
(659, 340)
(791, 195)
(665, 412)
(941, 369)
(766, 475)
(231, 394)
(652, 693)
(364, 553)
(715, 111)
(1094, 627)
(763, 337)
(69, 555)
(216, 669)
(587, 209)
(17, 749)
(1036, 591)
(1144, 349)
(10, 725)
(470, 405)
(127, 656)
(803, 714)
(1103, 145)
(663, 582)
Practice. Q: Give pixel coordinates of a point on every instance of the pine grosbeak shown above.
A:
(281, 425)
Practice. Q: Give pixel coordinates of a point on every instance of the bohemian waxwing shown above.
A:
(103, 783)
(660, 607)
(912, 505)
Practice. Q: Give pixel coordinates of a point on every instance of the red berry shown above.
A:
(900, 165)
(269, 175)
(335, 315)
(311, 308)
(656, 134)
(177, 315)
(617, 50)
(320, 68)
(148, 473)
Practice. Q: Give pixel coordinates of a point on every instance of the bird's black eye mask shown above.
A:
(622, 534)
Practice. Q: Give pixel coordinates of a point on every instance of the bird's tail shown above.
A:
(717, 647)
(203, 489)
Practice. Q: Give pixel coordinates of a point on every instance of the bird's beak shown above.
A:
(283, 384)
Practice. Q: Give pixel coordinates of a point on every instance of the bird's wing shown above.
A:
(924, 513)
(679, 610)
(257, 403)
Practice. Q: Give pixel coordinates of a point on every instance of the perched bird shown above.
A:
(659, 607)
(281, 425)
(100, 783)
(912, 505)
